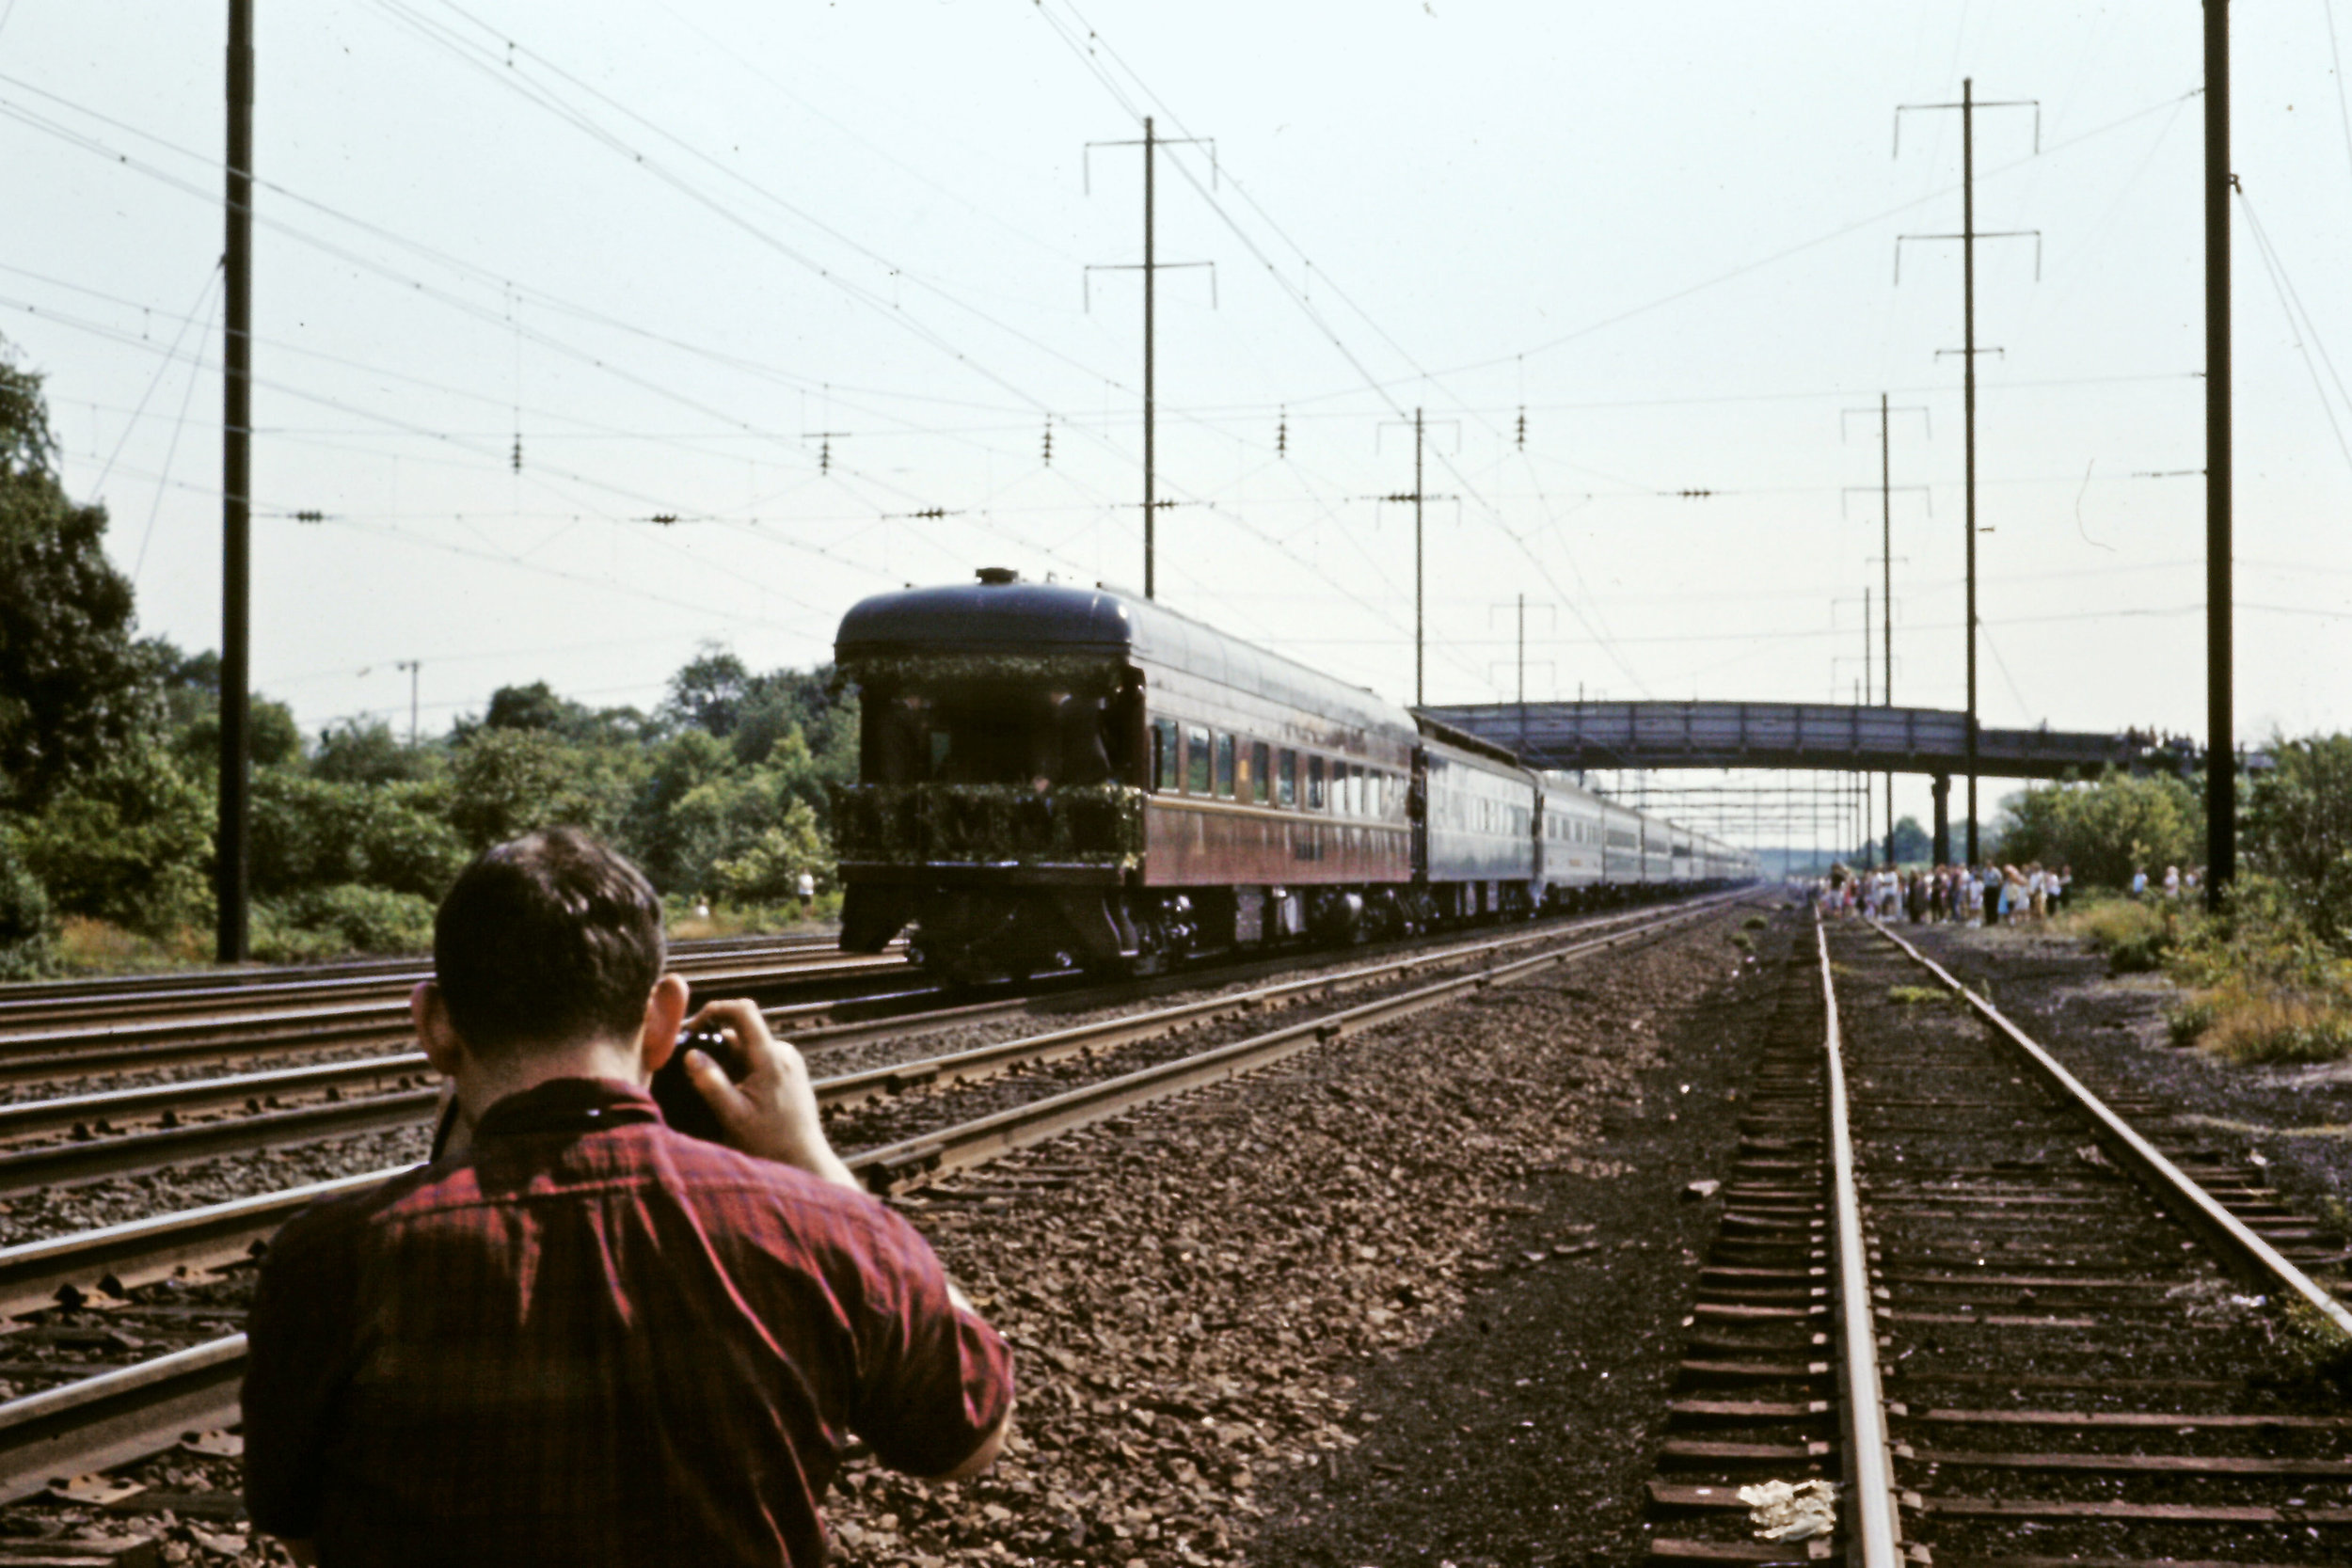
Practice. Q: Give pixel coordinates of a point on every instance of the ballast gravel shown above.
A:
(1411, 1298)
(1408, 1298)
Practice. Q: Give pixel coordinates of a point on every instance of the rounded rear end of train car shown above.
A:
(1003, 751)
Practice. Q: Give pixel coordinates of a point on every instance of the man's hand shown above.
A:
(773, 1112)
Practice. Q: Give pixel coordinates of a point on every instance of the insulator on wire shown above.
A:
(1049, 443)
(1522, 437)
(1283, 434)
(517, 458)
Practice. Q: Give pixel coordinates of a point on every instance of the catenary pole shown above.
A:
(1862, 695)
(1150, 267)
(1968, 358)
(1886, 597)
(1421, 695)
(2220, 742)
(1969, 236)
(1150, 414)
(236, 518)
(1523, 672)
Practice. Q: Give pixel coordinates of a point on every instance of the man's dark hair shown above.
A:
(547, 940)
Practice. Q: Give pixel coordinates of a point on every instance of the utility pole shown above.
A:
(236, 509)
(1151, 141)
(2220, 721)
(412, 666)
(1418, 497)
(1887, 602)
(1968, 238)
(1887, 564)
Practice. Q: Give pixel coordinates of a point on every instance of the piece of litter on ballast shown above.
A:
(1784, 1513)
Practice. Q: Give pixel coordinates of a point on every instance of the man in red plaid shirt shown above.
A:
(578, 1337)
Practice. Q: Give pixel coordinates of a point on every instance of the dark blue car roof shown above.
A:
(1033, 616)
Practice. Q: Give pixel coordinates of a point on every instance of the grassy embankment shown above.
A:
(2260, 987)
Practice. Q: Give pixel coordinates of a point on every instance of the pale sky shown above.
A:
(669, 246)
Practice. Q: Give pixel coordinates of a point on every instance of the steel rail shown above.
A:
(121, 1154)
(68, 1164)
(118, 1416)
(264, 976)
(127, 1413)
(119, 1257)
(886, 1168)
(45, 1115)
(139, 1251)
(183, 1043)
(386, 1006)
(851, 1088)
(63, 1164)
(151, 995)
(2248, 1254)
(1869, 1458)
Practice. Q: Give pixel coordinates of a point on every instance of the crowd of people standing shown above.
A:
(1987, 895)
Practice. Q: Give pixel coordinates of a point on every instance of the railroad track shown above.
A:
(2020, 1330)
(71, 1140)
(804, 985)
(63, 1007)
(128, 1411)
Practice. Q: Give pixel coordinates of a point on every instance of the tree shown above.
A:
(504, 782)
(367, 752)
(72, 684)
(525, 707)
(2106, 829)
(710, 692)
(1911, 843)
(2298, 827)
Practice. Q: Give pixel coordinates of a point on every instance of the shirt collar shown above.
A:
(568, 1105)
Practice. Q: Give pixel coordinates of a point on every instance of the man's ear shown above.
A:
(437, 1037)
(665, 1016)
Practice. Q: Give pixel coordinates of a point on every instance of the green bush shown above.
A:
(322, 923)
(2106, 829)
(769, 869)
(2298, 830)
(128, 844)
(2135, 936)
(2185, 1024)
(24, 915)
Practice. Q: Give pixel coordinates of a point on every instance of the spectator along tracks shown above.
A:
(123, 1413)
(2017, 1330)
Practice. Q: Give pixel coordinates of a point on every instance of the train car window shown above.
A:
(1260, 772)
(1164, 764)
(1197, 761)
(1314, 784)
(1225, 765)
(1289, 780)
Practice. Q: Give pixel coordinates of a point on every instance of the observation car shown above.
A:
(1051, 774)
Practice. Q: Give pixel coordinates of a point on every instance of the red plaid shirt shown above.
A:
(591, 1339)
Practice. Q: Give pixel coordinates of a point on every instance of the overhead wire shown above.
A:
(171, 451)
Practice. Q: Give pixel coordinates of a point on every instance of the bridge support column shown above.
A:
(1942, 789)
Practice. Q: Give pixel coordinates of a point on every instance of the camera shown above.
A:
(682, 1104)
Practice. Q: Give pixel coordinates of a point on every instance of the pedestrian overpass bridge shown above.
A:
(1811, 736)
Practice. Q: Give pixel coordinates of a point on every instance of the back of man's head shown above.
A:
(548, 940)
